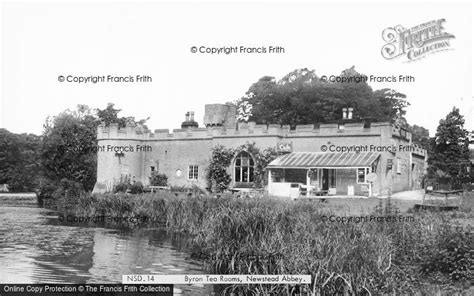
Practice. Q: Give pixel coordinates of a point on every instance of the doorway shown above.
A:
(325, 180)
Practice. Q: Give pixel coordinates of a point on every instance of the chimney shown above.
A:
(344, 113)
(189, 121)
(349, 116)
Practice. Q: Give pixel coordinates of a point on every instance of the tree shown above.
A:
(110, 115)
(420, 136)
(449, 153)
(391, 106)
(301, 97)
(69, 148)
(19, 161)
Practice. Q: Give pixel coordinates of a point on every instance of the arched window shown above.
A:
(243, 168)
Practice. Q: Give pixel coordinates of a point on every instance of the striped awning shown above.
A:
(324, 160)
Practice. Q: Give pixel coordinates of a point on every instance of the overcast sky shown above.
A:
(43, 40)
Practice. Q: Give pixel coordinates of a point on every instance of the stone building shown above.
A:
(471, 155)
(343, 158)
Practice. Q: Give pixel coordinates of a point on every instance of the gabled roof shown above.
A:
(324, 160)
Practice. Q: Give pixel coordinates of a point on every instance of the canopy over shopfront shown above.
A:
(321, 173)
(324, 160)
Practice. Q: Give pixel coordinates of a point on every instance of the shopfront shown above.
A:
(310, 174)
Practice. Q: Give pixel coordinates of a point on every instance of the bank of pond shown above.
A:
(383, 252)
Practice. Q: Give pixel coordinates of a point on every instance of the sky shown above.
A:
(41, 41)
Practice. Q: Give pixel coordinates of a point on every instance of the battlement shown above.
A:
(242, 129)
(419, 150)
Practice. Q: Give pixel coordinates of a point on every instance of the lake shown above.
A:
(36, 248)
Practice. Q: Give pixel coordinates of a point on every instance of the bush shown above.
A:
(136, 188)
(126, 186)
(71, 188)
(50, 189)
(158, 180)
(452, 256)
(46, 189)
(121, 187)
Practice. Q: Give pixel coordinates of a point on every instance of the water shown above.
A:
(36, 248)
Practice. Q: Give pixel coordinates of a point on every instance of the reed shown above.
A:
(269, 236)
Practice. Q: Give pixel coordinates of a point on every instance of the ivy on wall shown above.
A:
(218, 178)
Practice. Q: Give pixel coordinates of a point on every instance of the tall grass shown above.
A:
(265, 236)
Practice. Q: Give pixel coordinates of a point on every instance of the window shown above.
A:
(295, 176)
(152, 168)
(243, 168)
(361, 175)
(193, 172)
(373, 168)
(399, 168)
(366, 123)
(332, 178)
(403, 133)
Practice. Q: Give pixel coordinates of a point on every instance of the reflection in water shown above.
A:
(36, 248)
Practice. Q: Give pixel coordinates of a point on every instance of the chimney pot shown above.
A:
(344, 113)
(349, 115)
(191, 114)
(187, 117)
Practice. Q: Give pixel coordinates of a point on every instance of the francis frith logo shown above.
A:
(416, 42)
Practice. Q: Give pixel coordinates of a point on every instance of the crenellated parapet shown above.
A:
(419, 150)
(241, 129)
(252, 130)
(401, 133)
